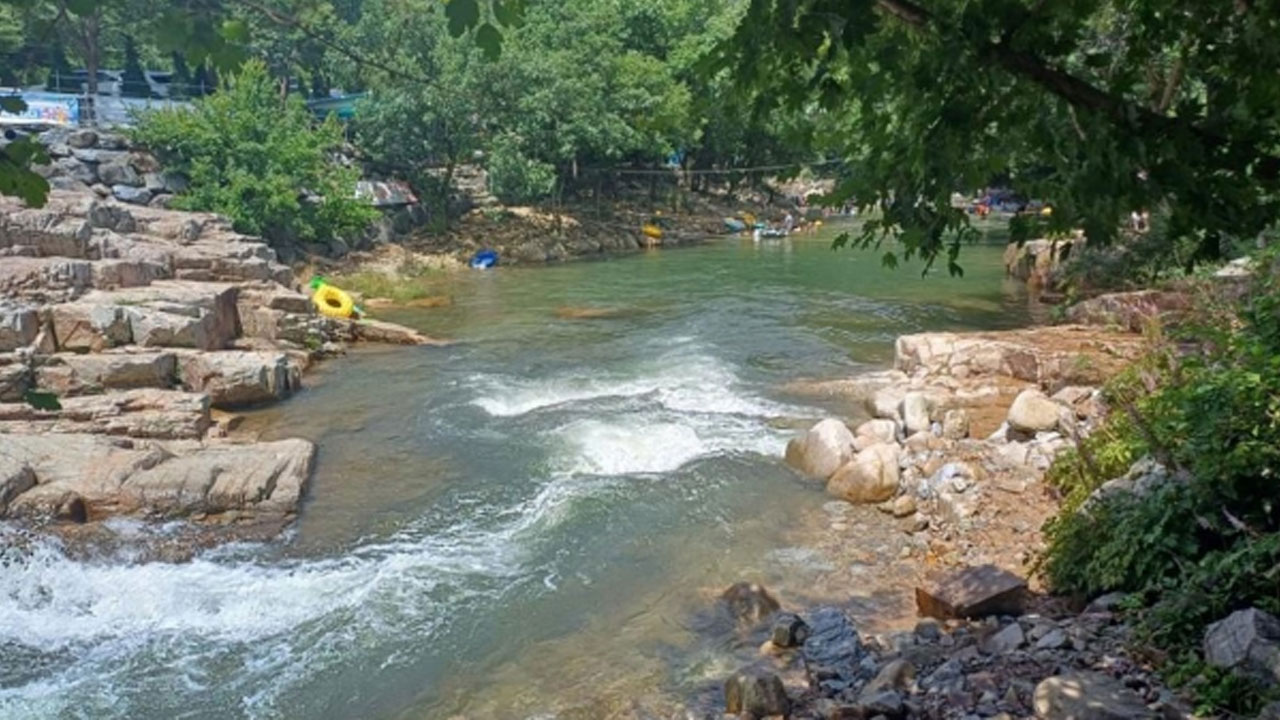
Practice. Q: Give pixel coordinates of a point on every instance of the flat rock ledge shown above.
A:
(144, 322)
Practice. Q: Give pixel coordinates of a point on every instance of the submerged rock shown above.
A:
(749, 603)
(757, 693)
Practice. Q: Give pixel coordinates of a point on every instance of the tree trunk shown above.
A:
(90, 31)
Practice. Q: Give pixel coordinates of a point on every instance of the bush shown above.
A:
(515, 178)
(260, 160)
(1207, 542)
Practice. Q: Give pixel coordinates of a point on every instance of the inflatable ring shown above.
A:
(333, 302)
(652, 231)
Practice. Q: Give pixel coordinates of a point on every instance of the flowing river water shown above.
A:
(524, 524)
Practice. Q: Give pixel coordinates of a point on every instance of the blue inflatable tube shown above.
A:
(484, 259)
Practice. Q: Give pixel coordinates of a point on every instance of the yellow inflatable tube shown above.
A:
(331, 301)
(652, 231)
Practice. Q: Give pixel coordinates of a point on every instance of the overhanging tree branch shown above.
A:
(1128, 116)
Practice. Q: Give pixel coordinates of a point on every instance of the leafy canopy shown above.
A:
(259, 159)
(1099, 106)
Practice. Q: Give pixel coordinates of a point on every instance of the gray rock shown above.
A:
(756, 693)
(971, 593)
(887, 703)
(1052, 640)
(162, 200)
(832, 649)
(1087, 696)
(110, 370)
(175, 183)
(130, 194)
(15, 378)
(69, 184)
(895, 675)
(87, 326)
(82, 138)
(1004, 641)
(100, 156)
(822, 449)
(16, 477)
(789, 630)
(18, 325)
(113, 141)
(1246, 642)
(112, 217)
(153, 181)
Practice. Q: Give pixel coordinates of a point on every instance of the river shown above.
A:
(524, 524)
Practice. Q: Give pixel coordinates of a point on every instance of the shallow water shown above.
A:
(526, 523)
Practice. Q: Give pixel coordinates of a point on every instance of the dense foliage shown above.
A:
(259, 159)
(1206, 541)
(1100, 106)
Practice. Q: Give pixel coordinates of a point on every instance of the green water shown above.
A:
(526, 523)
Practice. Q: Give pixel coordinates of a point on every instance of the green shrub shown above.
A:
(1207, 542)
(259, 159)
(514, 177)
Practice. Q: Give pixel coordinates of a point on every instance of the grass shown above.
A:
(373, 284)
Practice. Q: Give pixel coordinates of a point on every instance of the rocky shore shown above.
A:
(127, 334)
(953, 443)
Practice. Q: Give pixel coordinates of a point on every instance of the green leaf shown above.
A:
(12, 104)
(889, 260)
(42, 400)
(235, 31)
(489, 40)
(462, 14)
(509, 13)
(81, 7)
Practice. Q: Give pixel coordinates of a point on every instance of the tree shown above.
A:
(133, 83)
(260, 160)
(1101, 106)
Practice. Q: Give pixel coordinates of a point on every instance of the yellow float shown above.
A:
(331, 301)
(652, 231)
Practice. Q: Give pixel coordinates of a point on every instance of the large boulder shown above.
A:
(380, 331)
(76, 374)
(1131, 311)
(118, 172)
(822, 449)
(1087, 696)
(1246, 642)
(16, 477)
(870, 477)
(176, 313)
(109, 476)
(145, 413)
(234, 378)
(1032, 412)
(756, 693)
(89, 327)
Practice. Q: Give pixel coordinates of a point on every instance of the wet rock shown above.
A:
(820, 451)
(757, 693)
(973, 592)
(870, 477)
(1246, 642)
(379, 331)
(1006, 640)
(749, 603)
(832, 650)
(1032, 412)
(915, 412)
(789, 630)
(1087, 696)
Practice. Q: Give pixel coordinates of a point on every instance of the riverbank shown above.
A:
(129, 336)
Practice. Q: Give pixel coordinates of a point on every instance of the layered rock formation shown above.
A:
(140, 321)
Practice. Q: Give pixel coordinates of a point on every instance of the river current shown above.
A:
(520, 525)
